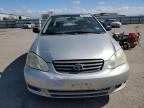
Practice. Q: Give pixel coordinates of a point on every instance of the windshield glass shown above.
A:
(72, 24)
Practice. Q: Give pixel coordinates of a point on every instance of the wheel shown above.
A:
(132, 45)
(126, 45)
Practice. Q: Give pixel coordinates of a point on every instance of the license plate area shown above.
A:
(80, 85)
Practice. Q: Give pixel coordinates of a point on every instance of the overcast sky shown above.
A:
(35, 8)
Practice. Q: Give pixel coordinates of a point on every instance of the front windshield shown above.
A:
(72, 24)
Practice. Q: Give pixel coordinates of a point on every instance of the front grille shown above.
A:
(78, 66)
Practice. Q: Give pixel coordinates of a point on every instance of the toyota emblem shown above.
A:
(78, 67)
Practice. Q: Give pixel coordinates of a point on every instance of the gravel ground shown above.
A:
(14, 44)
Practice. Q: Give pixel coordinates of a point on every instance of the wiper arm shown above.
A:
(79, 32)
(71, 32)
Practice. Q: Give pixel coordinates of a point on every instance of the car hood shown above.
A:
(68, 47)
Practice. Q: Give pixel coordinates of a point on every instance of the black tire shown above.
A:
(132, 45)
(126, 46)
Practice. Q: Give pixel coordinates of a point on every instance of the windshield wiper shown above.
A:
(78, 32)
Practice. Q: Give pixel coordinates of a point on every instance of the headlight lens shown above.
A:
(116, 60)
(36, 62)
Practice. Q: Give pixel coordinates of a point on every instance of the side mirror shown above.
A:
(108, 28)
(36, 30)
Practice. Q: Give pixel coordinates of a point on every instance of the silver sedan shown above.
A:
(74, 56)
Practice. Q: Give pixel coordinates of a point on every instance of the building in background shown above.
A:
(5, 16)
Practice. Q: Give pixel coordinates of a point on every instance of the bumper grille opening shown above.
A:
(79, 93)
(78, 66)
(33, 88)
(117, 86)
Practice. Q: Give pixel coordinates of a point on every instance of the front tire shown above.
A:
(125, 45)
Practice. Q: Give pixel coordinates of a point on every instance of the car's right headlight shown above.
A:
(116, 60)
(36, 62)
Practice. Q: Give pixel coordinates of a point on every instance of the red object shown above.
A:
(132, 37)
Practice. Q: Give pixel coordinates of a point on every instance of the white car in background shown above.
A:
(28, 25)
(116, 24)
(113, 22)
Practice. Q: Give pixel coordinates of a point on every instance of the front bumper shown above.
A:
(58, 85)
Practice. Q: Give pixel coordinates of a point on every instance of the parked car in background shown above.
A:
(107, 27)
(113, 22)
(73, 56)
(28, 25)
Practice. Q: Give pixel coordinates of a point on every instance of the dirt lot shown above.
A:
(14, 44)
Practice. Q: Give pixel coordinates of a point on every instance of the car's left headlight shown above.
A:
(116, 60)
(36, 62)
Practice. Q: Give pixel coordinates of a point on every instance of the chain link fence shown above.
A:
(37, 22)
